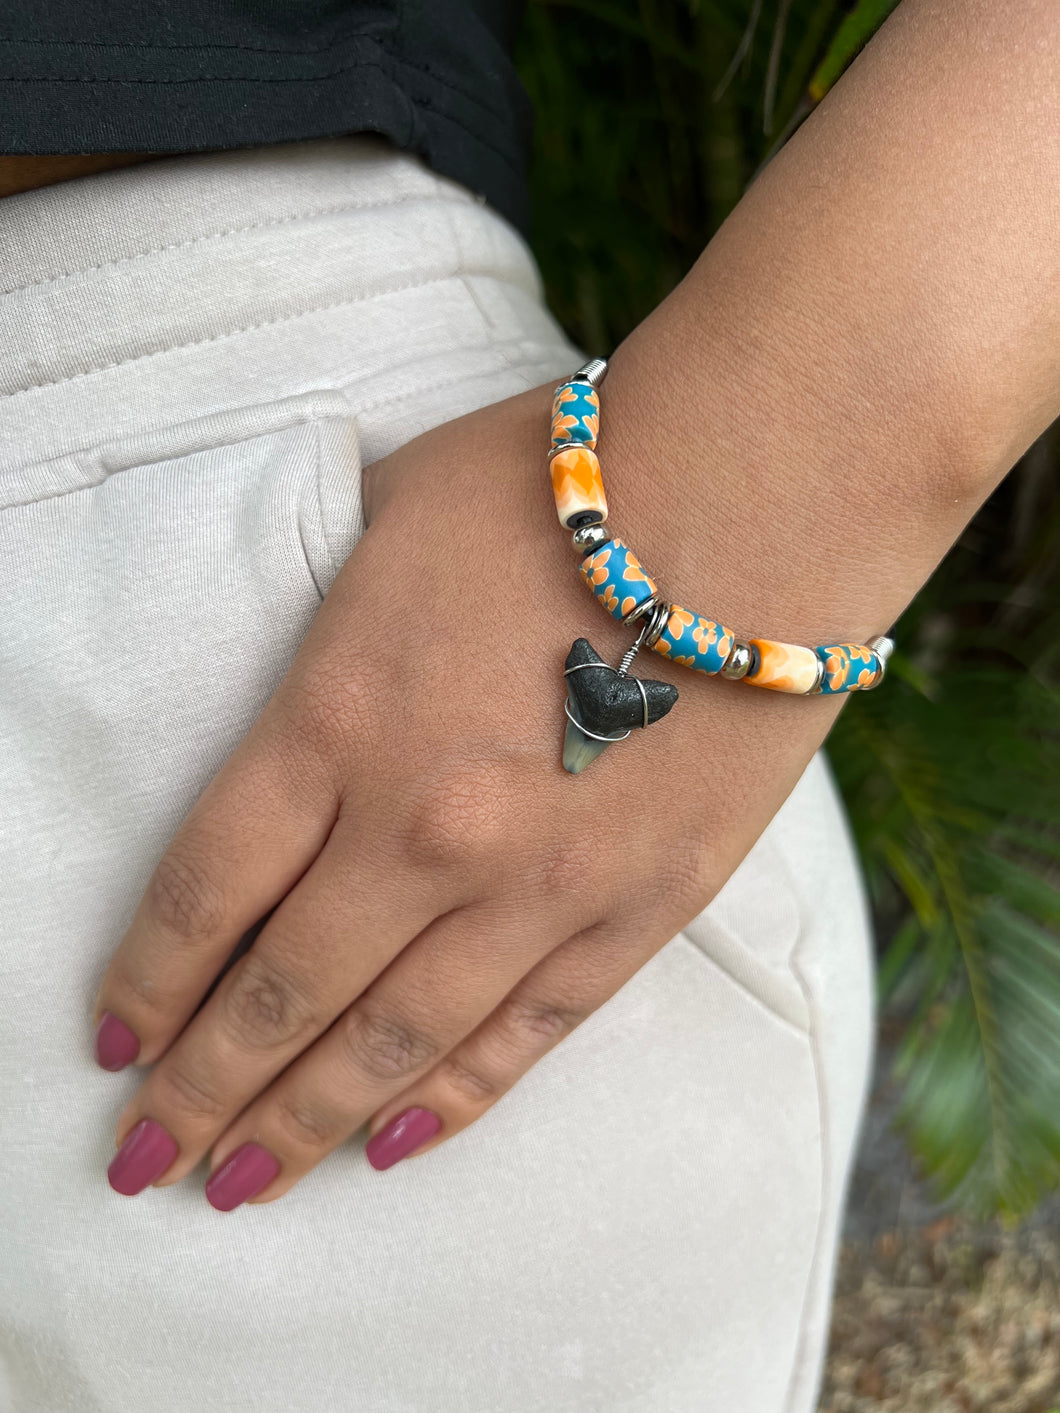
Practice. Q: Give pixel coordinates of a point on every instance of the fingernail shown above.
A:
(116, 1045)
(248, 1171)
(401, 1137)
(144, 1156)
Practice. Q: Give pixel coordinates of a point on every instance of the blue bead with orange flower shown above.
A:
(848, 667)
(617, 578)
(694, 641)
(575, 415)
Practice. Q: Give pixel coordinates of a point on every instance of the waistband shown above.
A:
(107, 269)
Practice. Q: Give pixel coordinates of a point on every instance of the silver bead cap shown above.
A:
(882, 646)
(594, 371)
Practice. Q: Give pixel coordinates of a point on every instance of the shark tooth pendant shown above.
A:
(605, 704)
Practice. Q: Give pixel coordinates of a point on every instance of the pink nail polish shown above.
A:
(116, 1045)
(401, 1137)
(145, 1155)
(247, 1172)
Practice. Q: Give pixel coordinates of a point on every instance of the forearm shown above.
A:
(795, 437)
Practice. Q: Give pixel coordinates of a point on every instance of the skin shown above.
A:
(861, 353)
(28, 173)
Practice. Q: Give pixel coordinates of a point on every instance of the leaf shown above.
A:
(855, 32)
(953, 802)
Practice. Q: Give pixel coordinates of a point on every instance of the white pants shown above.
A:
(196, 357)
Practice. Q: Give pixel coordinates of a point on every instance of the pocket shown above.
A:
(157, 587)
(791, 923)
(752, 928)
(296, 459)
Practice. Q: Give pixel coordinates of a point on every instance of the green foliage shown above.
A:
(951, 778)
(856, 30)
(653, 116)
(952, 796)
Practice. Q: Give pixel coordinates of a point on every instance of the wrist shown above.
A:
(756, 499)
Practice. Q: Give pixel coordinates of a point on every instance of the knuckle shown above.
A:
(307, 1126)
(459, 819)
(184, 897)
(527, 1018)
(471, 1083)
(186, 1094)
(262, 1008)
(383, 1046)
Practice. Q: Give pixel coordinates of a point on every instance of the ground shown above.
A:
(934, 1313)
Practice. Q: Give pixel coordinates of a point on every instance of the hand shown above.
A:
(447, 902)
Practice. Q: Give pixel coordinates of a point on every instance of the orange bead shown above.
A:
(578, 488)
(783, 667)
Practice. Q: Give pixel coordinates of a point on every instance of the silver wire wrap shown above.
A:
(627, 659)
(619, 671)
(585, 729)
(644, 699)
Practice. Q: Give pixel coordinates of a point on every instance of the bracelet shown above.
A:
(604, 703)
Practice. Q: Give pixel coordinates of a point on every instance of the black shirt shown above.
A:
(436, 76)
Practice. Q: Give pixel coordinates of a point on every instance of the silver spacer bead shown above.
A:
(738, 663)
(566, 446)
(815, 690)
(588, 538)
(594, 371)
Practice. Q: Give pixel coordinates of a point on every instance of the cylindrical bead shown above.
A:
(847, 667)
(783, 667)
(616, 578)
(578, 487)
(575, 414)
(694, 641)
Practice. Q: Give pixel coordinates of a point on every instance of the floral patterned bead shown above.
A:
(695, 641)
(848, 667)
(783, 667)
(575, 414)
(617, 578)
(578, 487)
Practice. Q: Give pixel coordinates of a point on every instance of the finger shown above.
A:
(246, 842)
(339, 928)
(564, 989)
(433, 995)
